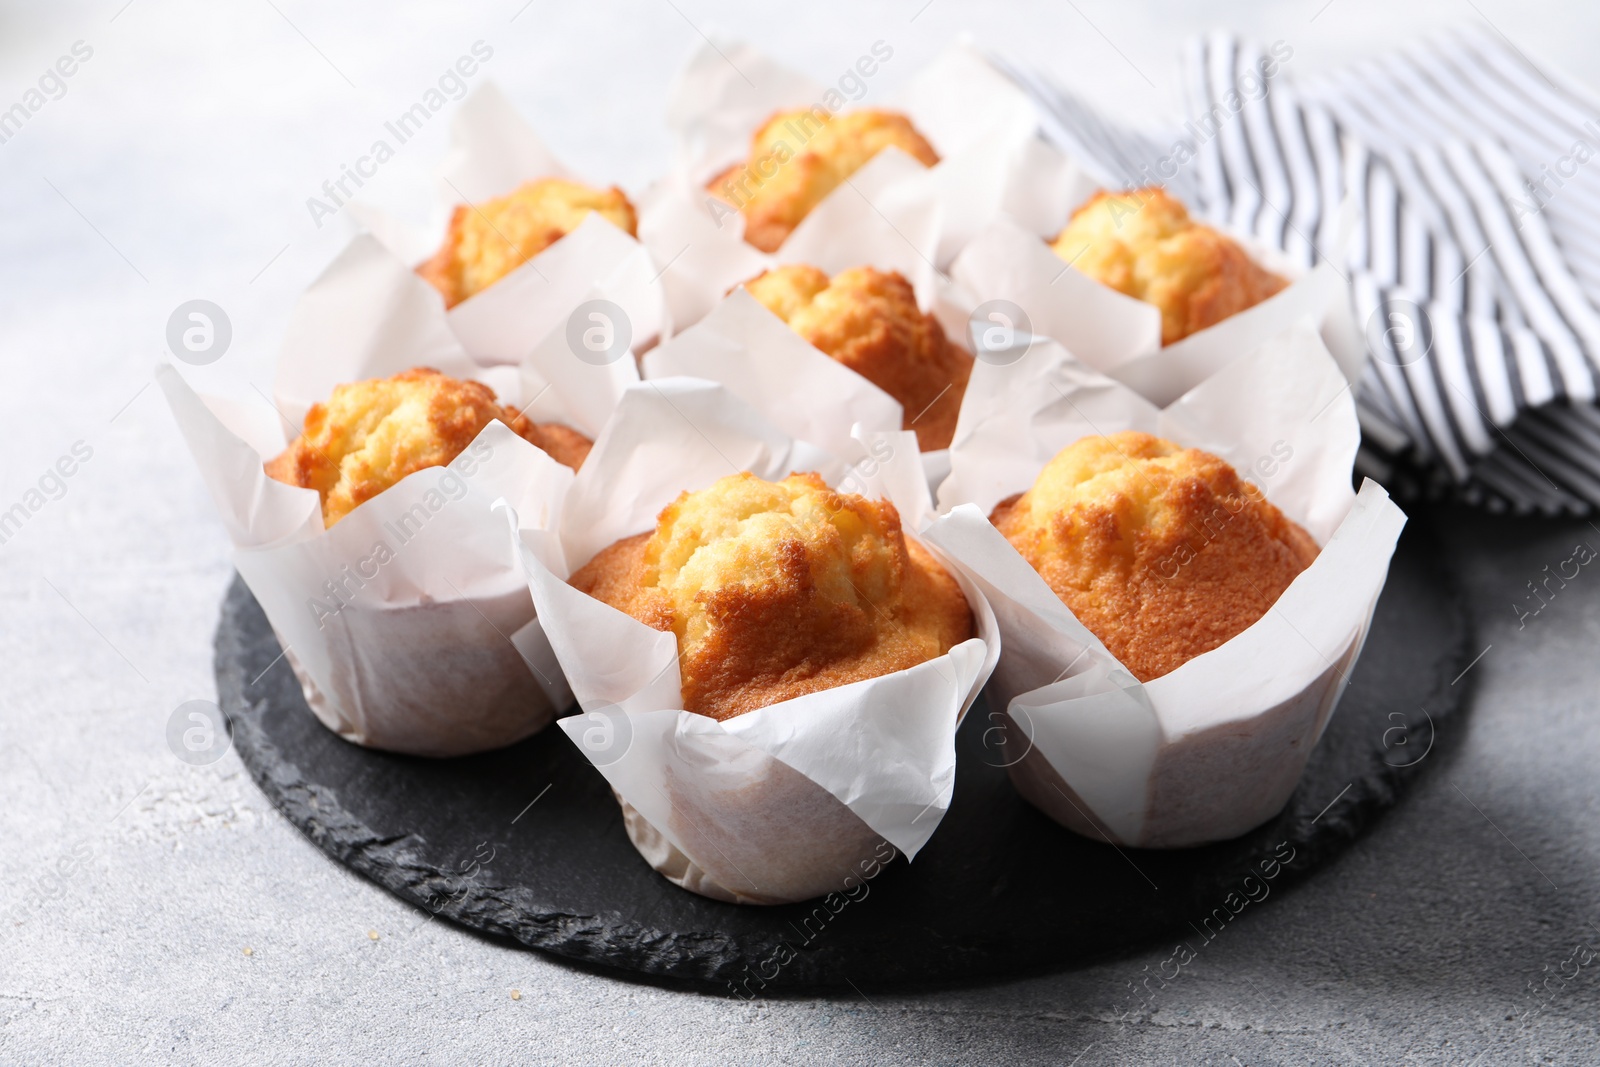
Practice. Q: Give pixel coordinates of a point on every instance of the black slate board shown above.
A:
(999, 890)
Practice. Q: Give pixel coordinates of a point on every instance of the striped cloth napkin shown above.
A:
(1472, 252)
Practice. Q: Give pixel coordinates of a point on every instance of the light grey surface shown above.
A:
(177, 165)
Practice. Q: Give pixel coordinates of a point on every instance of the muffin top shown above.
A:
(869, 320)
(1143, 243)
(778, 589)
(487, 241)
(1162, 552)
(371, 434)
(798, 157)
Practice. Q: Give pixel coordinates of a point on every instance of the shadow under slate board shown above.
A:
(999, 891)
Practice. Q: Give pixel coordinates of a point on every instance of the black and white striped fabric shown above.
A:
(1456, 185)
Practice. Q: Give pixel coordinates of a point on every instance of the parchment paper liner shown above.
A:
(982, 125)
(798, 387)
(779, 804)
(888, 218)
(1215, 747)
(758, 358)
(1121, 336)
(493, 151)
(893, 214)
(429, 646)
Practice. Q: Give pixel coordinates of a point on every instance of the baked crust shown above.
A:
(778, 589)
(1162, 552)
(798, 157)
(487, 241)
(869, 320)
(371, 434)
(1143, 243)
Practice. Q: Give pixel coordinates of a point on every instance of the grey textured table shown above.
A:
(153, 911)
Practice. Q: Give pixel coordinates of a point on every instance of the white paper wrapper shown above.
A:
(1121, 336)
(887, 216)
(1215, 747)
(802, 391)
(893, 214)
(493, 151)
(800, 388)
(409, 623)
(779, 804)
(983, 127)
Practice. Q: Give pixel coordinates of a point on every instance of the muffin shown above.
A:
(778, 589)
(1143, 243)
(869, 321)
(487, 241)
(371, 434)
(1162, 552)
(799, 157)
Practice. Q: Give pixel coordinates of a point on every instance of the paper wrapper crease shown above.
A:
(983, 127)
(780, 804)
(1121, 336)
(1216, 746)
(893, 214)
(493, 152)
(408, 623)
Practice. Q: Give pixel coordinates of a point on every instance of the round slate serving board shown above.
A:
(527, 843)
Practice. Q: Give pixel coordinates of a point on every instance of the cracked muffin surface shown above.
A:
(487, 241)
(371, 434)
(1143, 244)
(1163, 552)
(798, 157)
(778, 589)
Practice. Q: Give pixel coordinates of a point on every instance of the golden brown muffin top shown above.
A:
(869, 320)
(798, 157)
(1143, 243)
(487, 241)
(778, 589)
(371, 434)
(1162, 552)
